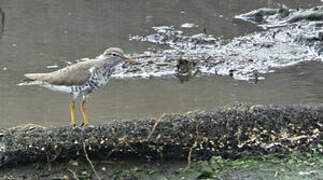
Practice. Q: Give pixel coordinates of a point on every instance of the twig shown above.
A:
(90, 162)
(123, 140)
(73, 174)
(48, 163)
(155, 125)
(189, 157)
(296, 138)
(276, 174)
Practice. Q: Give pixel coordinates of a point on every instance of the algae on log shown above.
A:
(226, 131)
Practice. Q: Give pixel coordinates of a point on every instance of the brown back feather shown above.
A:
(76, 74)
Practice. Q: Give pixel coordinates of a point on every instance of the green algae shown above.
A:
(272, 166)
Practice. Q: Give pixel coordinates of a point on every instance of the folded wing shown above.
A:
(76, 74)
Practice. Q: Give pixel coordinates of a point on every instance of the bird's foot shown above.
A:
(84, 124)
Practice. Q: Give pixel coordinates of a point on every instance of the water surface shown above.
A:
(39, 33)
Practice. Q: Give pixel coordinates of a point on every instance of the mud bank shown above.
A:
(228, 132)
(289, 37)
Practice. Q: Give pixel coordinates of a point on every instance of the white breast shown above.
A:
(60, 88)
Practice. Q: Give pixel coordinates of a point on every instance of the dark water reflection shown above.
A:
(2, 19)
(38, 33)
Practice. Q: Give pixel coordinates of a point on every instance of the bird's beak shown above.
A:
(130, 60)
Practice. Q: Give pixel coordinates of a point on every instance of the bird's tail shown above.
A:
(34, 76)
(31, 79)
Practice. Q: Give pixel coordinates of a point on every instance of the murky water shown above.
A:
(38, 33)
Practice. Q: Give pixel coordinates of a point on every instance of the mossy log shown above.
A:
(227, 131)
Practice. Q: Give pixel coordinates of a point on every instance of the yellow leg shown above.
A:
(72, 107)
(85, 121)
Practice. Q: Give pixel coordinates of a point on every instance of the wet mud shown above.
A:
(289, 37)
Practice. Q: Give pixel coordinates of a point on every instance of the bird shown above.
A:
(80, 79)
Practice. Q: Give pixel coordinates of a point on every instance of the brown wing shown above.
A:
(76, 74)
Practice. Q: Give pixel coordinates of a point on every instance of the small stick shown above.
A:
(276, 174)
(90, 162)
(73, 174)
(189, 157)
(124, 140)
(155, 125)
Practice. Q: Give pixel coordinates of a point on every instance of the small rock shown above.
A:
(161, 64)
(74, 163)
(188, 25)
(104, 168)
(206, 171)
(133, 70)
(320, 36)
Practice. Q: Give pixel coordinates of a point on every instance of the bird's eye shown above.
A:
(113, 54)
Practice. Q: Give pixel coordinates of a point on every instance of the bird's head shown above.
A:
(117, 55)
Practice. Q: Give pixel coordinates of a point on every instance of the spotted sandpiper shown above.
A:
(82, 78)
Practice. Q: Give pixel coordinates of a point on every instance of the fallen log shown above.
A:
(227, 131)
